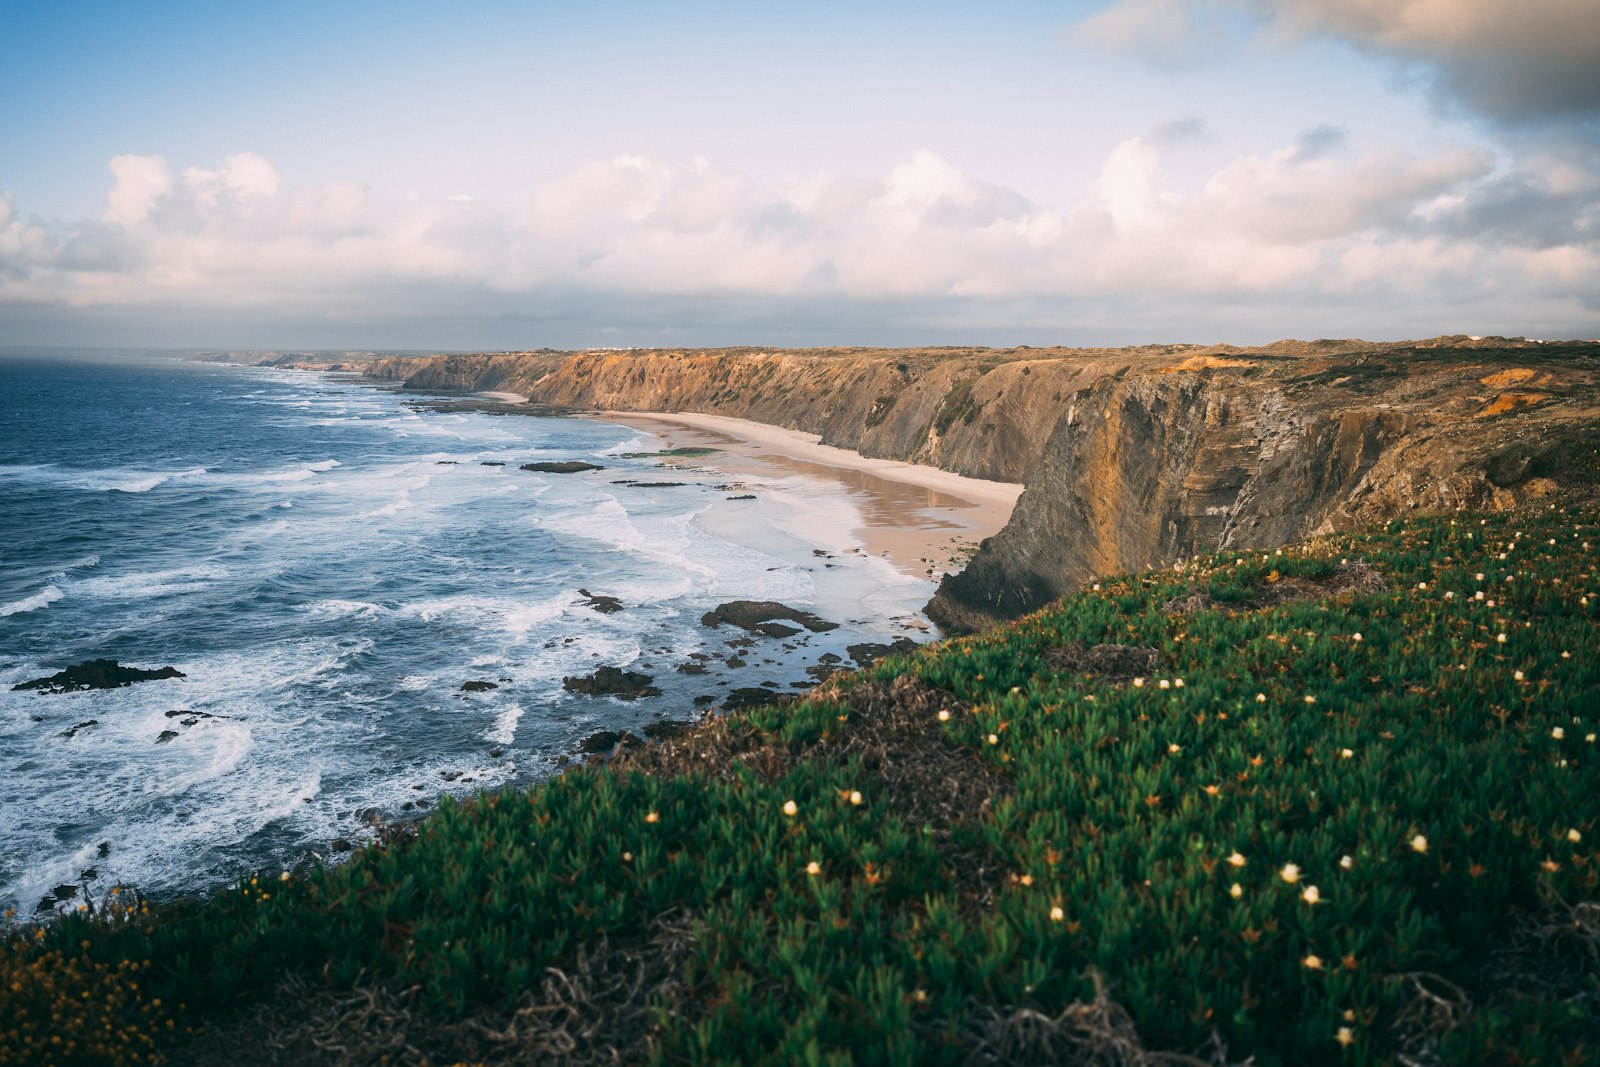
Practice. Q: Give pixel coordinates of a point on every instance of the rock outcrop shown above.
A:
(96, 674)
(1132, 457)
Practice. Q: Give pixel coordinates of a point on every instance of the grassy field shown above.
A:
(1338, 804)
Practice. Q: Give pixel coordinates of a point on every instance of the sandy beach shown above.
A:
(923, 520)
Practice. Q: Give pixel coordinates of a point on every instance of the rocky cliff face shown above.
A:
(1132, 458)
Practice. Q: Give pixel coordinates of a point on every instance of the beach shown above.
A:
(923, 520)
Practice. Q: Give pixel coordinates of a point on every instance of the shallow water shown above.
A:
(328, 563)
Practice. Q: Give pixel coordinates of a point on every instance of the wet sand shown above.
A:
(923, 520)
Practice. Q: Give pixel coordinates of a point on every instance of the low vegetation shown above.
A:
(1338, 804)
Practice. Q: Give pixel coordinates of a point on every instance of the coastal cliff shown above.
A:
(1133, 458)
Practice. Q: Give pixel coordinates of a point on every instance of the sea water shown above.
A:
(327, 562)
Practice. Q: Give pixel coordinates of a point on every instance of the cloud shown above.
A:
(1531, 62)
(1537, 59)
(1316, 228)
(1178, 131)
(1171, 33)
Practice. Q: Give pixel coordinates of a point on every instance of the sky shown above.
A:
(499, 175)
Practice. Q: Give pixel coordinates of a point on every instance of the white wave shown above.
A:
(642, 443)
(203, 753)
(300, 473)
(395, 506)
(111, 479)
(43, 598)
(510, 614)
(344, 608)
(145, 481)
(144, 584)
(504, 730)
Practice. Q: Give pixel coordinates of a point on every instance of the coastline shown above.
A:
(921, 520)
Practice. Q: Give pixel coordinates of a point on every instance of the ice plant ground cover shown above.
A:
(1348, 813)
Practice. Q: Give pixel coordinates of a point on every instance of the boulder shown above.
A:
(605, 605)
(760, 617)
(612, 681)
(563, 466)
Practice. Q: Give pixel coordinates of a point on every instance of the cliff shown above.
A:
(1137, 457)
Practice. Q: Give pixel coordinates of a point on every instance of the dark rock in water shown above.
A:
(601, 741)
(830, 657)
(605, 605)
(749, 696)
(651, 485)
(65, 892)
(683, 668)
(562, 466)
(759, 616)
(475, 685)
(97, 674)
(665, 729)
(189, 717)
(490, 463)
(746, 496)
(612, 681)
(869, 652)
(445, 462)
(340, 844)
(703, 699)
(73, 732)
(166, 735)
(449, 776)
(672, 452)
(802, 685)
(103, 850)
(496, 753)
(736, 662)
(823, 671)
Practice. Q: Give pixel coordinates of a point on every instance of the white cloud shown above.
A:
(140, 182)
(1316, 223)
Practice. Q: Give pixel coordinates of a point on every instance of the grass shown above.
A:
(1349, 815)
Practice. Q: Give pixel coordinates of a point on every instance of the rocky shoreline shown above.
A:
(1133, 457)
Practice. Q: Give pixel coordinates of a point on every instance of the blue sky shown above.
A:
(503, 175)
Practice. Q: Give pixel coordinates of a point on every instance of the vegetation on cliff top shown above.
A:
(1338, 804)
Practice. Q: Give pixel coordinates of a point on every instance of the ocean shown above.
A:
(328, 562)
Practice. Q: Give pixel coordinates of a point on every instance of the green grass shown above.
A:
(1434, 779)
